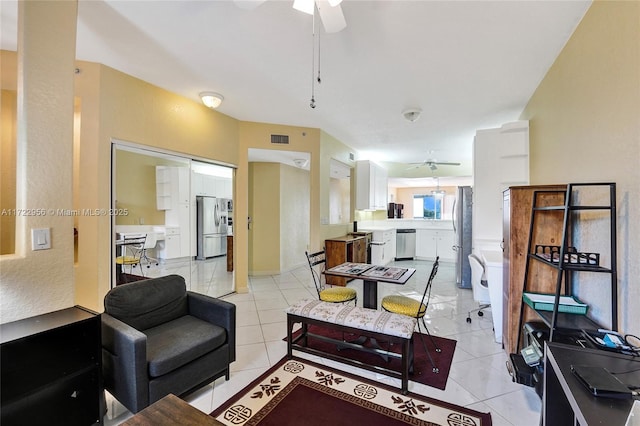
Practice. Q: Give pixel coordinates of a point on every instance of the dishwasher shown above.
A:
(405, 244)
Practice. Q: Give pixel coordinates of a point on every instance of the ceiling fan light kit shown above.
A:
(305, 6)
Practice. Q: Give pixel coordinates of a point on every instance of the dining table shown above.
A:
(371, 275)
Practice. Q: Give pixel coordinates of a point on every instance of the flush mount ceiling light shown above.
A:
(412, 114)
(211, 99)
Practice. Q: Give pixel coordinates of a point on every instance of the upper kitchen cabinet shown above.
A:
(371, 186)
(500, 160)
(211, 186)
(172, 186)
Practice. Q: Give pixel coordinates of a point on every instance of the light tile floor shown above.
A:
(478, 378)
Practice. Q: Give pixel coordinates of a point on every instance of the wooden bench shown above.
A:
(377, 325)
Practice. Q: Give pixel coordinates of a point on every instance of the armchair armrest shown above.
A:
(218, 312)
(124, 363)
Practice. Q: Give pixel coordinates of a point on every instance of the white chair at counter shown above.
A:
(150, 243)
(479, 284)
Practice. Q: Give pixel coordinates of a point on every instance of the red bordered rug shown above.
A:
(300, 392)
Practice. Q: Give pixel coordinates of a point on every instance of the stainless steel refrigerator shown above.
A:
(211, 226)
(462, 227)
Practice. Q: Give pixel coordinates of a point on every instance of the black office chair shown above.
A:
(417, 309)
(317, 264)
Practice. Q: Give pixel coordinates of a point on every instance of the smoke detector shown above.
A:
(411, 114)
(301, 162)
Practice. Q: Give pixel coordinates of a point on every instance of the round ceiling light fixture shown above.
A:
(411, 114)
(211, 99)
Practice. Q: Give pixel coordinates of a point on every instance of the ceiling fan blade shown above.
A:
(443, 163)
(331, 16)
(248, 4)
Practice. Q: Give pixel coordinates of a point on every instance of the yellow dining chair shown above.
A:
(415, 308)
(317, 264)
(133, 247)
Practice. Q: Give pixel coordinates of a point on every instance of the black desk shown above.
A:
(566, 401)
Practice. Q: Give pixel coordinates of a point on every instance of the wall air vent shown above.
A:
(352, 157)
(281, 139)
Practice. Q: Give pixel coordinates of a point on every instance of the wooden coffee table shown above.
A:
(170, 411)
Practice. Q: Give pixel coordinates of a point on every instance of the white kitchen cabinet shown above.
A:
(500, 160)
(173, 190)
(426, 241)
(172, 186)
(431, 243)
(371, 186)
(223, 187)
(171, 246)
(383, 248)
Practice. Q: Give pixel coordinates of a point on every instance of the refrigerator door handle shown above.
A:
(453, 222)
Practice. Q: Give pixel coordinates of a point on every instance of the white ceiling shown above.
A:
(467, 65)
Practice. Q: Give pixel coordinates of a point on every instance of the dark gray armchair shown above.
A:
(158, 338)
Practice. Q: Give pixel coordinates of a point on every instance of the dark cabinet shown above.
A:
(51, 369)
(339, 250)
(518, 201)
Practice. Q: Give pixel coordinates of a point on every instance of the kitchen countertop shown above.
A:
(391, 224)
(345, 238)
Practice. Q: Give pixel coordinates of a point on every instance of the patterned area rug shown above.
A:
(299, 392)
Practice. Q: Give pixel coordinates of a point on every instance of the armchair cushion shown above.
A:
(178, 342)
(145, 306)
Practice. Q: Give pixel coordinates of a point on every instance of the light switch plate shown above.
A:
(40, 238)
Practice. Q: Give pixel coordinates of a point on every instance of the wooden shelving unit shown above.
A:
(567, 260)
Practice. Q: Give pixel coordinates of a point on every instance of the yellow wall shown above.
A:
(36, 282)
(136, 188)
(405, 196)
(7, 170)
(585, 127)
(294, 217)
(331, 148)
(264, 210)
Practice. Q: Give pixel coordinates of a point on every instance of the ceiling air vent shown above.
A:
(352, 157)
(281, 139)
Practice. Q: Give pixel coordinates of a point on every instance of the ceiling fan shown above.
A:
(330, 11)
(432, 164)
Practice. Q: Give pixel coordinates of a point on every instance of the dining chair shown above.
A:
(317, 263)
(132, 247)
(417, 309)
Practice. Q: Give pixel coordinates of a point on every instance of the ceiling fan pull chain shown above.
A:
(312, 104)
(319, 38)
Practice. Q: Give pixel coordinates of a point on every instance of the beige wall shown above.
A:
(405, 196)
(36, 282)
(136, 187)
(294, 222)
(331, 148)
(7, 169)
(585, 127)
(118, 106)
(279, 199)
(264, 210)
